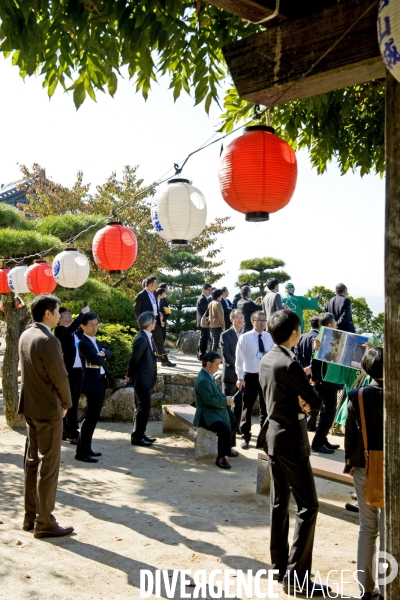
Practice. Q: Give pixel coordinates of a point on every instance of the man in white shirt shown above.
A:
(250, 349)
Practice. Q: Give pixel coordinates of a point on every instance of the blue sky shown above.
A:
(322, 235)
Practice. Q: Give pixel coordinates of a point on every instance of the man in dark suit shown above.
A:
(303, 353)
(287, 393)
(164, 308)
(68, 332)
(238, 296)
(201, 308)
(142, 373)
(229, 340)
(340, 307)
(94, 358)
(44, 400)
(247, 307)
(146, 301)
(227, 306)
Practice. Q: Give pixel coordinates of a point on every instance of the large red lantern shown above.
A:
(114, 248)
(258, 173)
(4, 287)
(39, 278)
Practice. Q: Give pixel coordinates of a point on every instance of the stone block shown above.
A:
(178, 394)
(159, 387)
(157, 398)
(188, 342)
(205, 444)
(263, 475)
(119, 383)
(123, 404)
(171, 423)
(107, 410)
(186, 379)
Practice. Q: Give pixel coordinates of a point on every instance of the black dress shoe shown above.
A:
(352, 507)
(309, 589)
(91, 453)
(332, 446)
(142, 442)
(322, 449)
(86, 458)
(149, 439)
(168, 363)
(244, 444)
(222, 463)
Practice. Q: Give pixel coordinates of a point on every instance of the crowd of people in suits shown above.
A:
(265, 355)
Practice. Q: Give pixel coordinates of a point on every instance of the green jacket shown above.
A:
(211, 404)
(300, 303)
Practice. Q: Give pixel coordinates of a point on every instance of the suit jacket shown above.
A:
(67, 340)
(45, 388)
(229, 340)
(340, 307)
(162, 304)
(236, 299)
(92, 379)
(282, 380)
(201, 307)
(143, 304)
(271, 303)
(227, 307)
(211, 403)
(142, 368)
(304, 350)
(248, 307)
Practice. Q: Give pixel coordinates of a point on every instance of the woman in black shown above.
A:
(371, 517)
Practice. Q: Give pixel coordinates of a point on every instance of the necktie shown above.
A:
(261, 343)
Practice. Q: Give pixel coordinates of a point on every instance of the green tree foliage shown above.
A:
(186, 275)
(110, 304)
(346, 125)
(119, 340)
(264, 269)
(363, 317)
(82, 46)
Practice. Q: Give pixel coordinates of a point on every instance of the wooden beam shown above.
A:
(250, 10)
(392, 329)
(265, 65)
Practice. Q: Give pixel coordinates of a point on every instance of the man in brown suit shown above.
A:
(44, 401)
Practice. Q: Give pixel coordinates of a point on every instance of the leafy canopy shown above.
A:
(263, 269)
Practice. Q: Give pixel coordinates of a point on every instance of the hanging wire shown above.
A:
(178, 169)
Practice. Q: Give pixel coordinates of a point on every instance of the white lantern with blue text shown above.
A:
(389, 35)
(179, 213)
(16, 280)
(71, 268)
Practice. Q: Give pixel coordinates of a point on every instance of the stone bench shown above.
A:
(325, 468)
(178, 418)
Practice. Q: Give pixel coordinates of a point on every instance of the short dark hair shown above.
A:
(63, 310)
(372, 363)
(160, 291)
(281, 325)
(210, 357)
(163, 285)
(340, 288)
(245, 290)
(314, 322)
(224, 289)
(42, 303)
(243, 284)
(325, 318)
(217, 294)
(90, 316)
(272, 283)
(149, 279)
(256, 314)
(207, 286)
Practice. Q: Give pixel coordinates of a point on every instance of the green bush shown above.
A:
(115, 307)
(119, 340)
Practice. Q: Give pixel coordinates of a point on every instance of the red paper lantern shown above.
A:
(39, 278)
(258, 173)
(114, 248)
(4, 287)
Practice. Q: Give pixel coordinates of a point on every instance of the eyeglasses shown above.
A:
(261, 320)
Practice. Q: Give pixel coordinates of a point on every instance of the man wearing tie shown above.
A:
(201, 308)
(142, 373)
(146, 301)
(250, 349)
(227, 306)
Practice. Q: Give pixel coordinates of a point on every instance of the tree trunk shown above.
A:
(392, 329)
(10, 364)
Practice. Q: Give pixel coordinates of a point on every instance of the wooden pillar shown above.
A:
(392, 329)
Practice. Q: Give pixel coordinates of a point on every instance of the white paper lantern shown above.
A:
(389, 35)
(179, 213)
(16, 280)
(71, 268)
